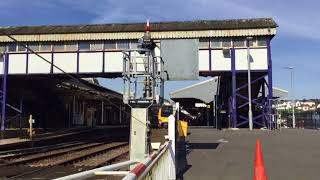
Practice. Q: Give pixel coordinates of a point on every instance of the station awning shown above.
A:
(204, 91)
(279, 93)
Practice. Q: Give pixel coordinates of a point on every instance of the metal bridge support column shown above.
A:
(234, 89)
(138, 134)
(270, 93)
(263, 94)
(21, 113)
(102, 112)
(4, 90)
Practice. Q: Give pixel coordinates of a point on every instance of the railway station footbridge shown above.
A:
(96, 51)
(227, 49)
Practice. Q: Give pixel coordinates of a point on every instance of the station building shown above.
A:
(91, 51)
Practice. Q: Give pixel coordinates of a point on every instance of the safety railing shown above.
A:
(158, 166)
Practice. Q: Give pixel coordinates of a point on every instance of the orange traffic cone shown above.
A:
(259, 171)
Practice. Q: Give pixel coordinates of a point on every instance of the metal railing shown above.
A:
(158, 166)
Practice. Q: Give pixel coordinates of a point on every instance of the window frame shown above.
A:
(84, 43)
(215, 40)
(127, 42)
(94, 43)
(236, 40)
(264, 39)
(203, 41)
(8, 47)
(61, 44)
(108, 42)
(46, 43)
(70, 44)
(224, 40)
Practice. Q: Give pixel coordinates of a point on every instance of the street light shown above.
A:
(249, 84)
(292, 97)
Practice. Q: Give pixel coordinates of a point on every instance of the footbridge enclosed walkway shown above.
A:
(226, 155)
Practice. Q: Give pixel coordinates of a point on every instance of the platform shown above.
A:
(225, 155)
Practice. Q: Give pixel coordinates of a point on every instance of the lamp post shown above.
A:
(292, 96)
(249, 84)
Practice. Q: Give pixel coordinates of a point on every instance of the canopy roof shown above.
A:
(206, 91)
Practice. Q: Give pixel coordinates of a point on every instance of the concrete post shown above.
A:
(172, 138)
(138, 134)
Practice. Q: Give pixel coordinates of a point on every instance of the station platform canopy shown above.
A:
(203, 91)
(206, 91)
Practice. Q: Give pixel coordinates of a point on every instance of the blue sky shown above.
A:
(296, 44)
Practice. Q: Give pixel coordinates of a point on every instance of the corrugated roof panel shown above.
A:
(137, 35)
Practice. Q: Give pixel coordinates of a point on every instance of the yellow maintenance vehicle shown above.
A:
(163, 115)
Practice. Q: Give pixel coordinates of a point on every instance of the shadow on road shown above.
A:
(183, 149)
(203, 145)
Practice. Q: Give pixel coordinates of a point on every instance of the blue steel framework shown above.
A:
(4, 103)
(4, 90)
(262, 118)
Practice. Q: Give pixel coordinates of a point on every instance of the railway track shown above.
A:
(68, 156)
(84, 159)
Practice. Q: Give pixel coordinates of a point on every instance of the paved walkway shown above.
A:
(229, 155)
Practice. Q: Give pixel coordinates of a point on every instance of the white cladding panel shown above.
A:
(66, 61)
(219, 61)
(203, 60)
(93, 62)
(1, 64)
(90, 62)
(259, 60)
(17, 64)
(113, 62)
(36, 65)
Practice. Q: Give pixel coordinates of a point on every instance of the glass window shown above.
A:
(21, 47)
(34, 46)
(45, 46)
(110, 45)
(2, 48)
(58, 46)
(71, 46)
(216, 43)
(134, 44)
(261, 41)
(122, 44)
(239, 42)
(226, 42)
(203, 43)
(12, 47)
(84, 45)
(96, 45)
(252, 42)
